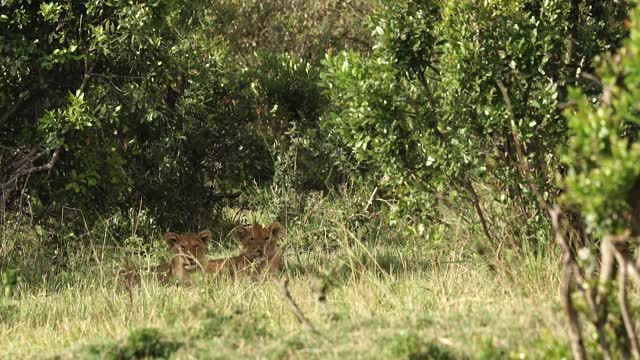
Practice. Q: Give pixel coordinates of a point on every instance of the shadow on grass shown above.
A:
(143, 343)
(342, 265)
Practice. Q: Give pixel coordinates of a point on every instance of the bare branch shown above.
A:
(88, 71)
(633, 271)
(475, 201)
(15, 107)
(524, 165)
(624, 310)
(283, 286)
(568, 267)
(597, 298)
(23, 166)
(29, 157)
(432, 105)
(616, 244)
(371, 198)
(591, 77)
(47, 166)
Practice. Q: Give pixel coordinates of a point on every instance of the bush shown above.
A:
(140, 102)
(411, 347)
(427, 110)
(601, 184)
(301, 28)
(140, 344)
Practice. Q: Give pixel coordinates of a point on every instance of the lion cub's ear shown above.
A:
(205, 236)
(170, 238)
(275, 228)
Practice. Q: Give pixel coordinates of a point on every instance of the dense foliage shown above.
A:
(602, 184)
(485, 117)
(131, 102)
(602, 179)
(306, 29)
(179, 104)
(454, 89)
(136, 107)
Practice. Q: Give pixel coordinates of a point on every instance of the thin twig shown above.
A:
(371, 198)
(283, 286)
(591, 77)
(475, 201)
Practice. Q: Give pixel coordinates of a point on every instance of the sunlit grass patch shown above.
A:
(449, 310)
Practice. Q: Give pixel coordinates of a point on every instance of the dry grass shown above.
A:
(391, 295)
(456, 305)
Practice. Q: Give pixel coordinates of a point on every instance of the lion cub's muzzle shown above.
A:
(252, 254)
(189, 262)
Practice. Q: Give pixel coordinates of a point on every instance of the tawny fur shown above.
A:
(188, 254)
(260, 254)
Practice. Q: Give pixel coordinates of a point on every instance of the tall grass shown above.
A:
(391, 294)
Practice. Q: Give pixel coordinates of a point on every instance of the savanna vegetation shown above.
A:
(454, 179)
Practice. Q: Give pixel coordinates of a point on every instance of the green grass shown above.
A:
(391, 296)
(455, 308)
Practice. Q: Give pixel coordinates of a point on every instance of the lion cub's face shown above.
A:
(258, 241)
(189, 248)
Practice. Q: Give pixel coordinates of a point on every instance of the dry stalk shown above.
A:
(283, 286)
(371, 199)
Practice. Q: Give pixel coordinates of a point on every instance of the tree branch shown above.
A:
(432, 104)
(15, 107)
(524, 165)
(88, 71)
(624, 309)
(475, 201)
(615, 245)
(47, 166)
(568, 267)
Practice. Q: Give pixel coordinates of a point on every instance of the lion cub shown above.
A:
(260, 252)
(189, 254)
